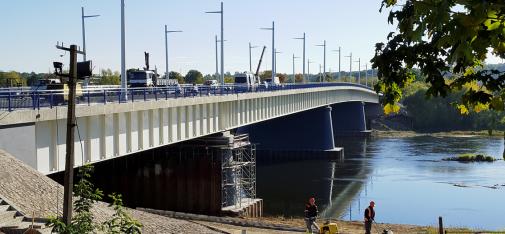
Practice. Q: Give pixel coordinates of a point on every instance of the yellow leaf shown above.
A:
(480, 107)
(391, 109)
(463, 110)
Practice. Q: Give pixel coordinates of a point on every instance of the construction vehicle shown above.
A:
(247, 81)
(147, 78)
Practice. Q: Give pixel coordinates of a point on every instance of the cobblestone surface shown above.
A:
(35, 194)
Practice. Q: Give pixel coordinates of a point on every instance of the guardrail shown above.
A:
(13, 99)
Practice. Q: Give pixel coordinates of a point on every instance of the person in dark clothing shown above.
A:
(369, 217)
(311, 215)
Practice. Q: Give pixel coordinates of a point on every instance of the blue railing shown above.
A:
(25, 98)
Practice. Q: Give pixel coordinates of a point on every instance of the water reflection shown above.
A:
(402, 175)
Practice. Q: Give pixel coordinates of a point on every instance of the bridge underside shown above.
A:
(114, 130)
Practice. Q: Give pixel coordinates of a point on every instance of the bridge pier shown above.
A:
(349, 119)
(310, 130)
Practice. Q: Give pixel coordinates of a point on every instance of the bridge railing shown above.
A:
(15, 98)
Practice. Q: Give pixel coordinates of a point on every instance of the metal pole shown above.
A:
(222, 44)
(339, 71)
(250, 63)
(217, 63)
(324, 60)
(303, 57)
(273, 52)
(294, 80)
(83, 35)
(166, 55)
(68, 182)
(366, 74)
(123, 62)
(320, 79)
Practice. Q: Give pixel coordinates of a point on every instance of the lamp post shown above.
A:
(222, 40)
(275, 60)
(366, 74)
(294, 78)
(339, 71)
(273, 48)
(324, 56)
(166, 50)
(359, 70)
(217, 63)
(84, 32)
(303, 62)
(124, 84)
(250, 62)
(350, 66)
(308, 67)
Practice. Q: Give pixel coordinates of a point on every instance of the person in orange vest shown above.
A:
(369, 217)
(311, 215)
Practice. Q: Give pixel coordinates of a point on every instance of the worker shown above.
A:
(310, 215)
(369, 217)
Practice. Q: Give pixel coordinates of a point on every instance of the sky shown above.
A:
(30, 30)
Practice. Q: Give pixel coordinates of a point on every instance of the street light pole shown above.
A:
(273, 48)
(366, 74)
(250, 62)
(324, 56)
(84, 32)
(275, 59)
(124, 95)
(217, 64)
(167, 72)
(308, 67)
(359, 70)
(294, 78)
(339, 71)
(303, 62)
(350, 66)
(222, 40)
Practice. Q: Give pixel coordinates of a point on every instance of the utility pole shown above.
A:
(350, 67)
(359, 70)
(68, 182)
(84, 32)
(124, 84)
(294, 76)
(275, 60)
(320, 78)
(250, 62)
(167, 72)
(324, 56)
(303, 62)
(222, 40)
(273, 48)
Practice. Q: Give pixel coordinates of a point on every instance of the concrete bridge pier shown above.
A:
(290, 137)
(349, 119)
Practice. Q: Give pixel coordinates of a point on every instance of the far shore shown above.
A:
(401, 134)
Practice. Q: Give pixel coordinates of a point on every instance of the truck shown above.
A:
(247, 81)
(148, 78)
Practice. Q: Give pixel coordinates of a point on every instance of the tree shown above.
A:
(193, 76)
(265, 74)
(11, 79)
(176, 76)
(109, 78)
(448, 41)
(299, 78)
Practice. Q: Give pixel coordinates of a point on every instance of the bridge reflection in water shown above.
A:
(337, 184)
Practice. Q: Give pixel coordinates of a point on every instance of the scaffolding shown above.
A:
(238, 172)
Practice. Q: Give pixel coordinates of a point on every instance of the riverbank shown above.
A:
(402, 134)
(351, 227)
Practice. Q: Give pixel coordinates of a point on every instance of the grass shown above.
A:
(471, 158)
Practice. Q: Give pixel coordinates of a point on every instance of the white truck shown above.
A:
(148, 78)
(248, 81)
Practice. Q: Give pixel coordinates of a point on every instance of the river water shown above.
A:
(404, 176)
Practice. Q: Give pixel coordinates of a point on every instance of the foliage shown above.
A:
(265, 75)
(444, 37)
(193, 76)
(299, 78)
(471, 158)
(11, 79)
(108, 77)
(439, 114)
(87, 195)
(176, 76)
(121, 221)
(83, 220)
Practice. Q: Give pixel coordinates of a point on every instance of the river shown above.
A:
(406, 178)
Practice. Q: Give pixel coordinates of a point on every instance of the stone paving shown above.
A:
(34, 194)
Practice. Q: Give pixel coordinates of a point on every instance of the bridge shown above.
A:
(33, 125)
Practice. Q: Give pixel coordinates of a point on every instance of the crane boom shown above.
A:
(259, 64)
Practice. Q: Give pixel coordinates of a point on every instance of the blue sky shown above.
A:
(30, 29)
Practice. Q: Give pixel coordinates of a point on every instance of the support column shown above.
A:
(349, 119)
